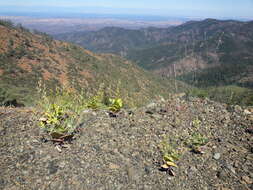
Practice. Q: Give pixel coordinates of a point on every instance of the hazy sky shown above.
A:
(204, 8)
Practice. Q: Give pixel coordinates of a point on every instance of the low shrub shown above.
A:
(61, 108)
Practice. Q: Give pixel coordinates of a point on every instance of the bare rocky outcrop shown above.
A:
(122, 151)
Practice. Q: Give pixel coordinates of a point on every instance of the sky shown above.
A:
(189, 8)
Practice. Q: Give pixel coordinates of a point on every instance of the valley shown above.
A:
(204, 53)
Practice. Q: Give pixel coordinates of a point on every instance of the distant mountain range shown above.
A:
(203, 53)
(27, 58)
(66, 23)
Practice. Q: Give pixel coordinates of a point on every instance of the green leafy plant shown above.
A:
(60, 111)
(170, 153)
(62, 107)
(97, 101)
(54, 120)
(196, 123)
(102, 100)
(196, 141)
(115, 104)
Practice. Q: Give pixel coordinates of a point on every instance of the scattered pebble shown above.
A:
(217, 156)
(238, 109)
(231, 168)
(58, 148)
(247, 112)
(247, 179)
(99, 156)
(113, 166)
(249, 130)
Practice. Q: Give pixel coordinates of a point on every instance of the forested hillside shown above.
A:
(208, 54)
(29, 58)
(207, 48)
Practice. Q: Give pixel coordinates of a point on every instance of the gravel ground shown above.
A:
(123, 152)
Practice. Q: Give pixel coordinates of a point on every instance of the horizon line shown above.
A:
(102, 10)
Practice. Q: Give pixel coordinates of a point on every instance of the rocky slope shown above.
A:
(27, 58)
(126, 151)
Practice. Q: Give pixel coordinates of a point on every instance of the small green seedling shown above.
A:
(198, 139)
(115, 104)
(170, 155)
(196, 123)
(196, 142)
(95, 103)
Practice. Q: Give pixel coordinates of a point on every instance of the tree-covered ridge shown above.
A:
(195, 45)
